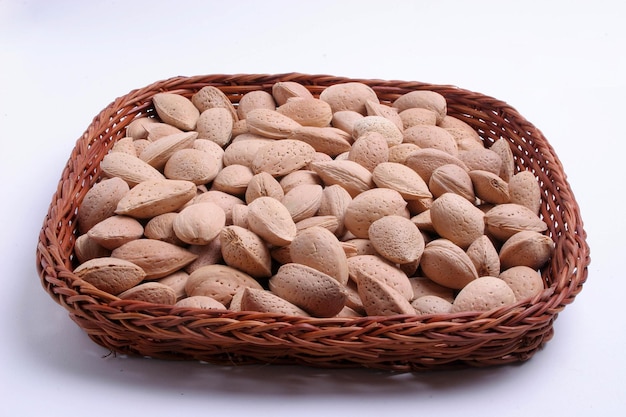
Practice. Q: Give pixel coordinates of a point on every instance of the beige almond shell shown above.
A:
(465, 141)
(397, 239)
(424, 286)
(86, 248)
(431, 304)
(376, 267)
(137, 128)
(369, 206)
(431, 136)
(177, 282)
(335, 201)
(157, 153)
(282, 91)
(270, 219)
(483, 294)
(140, 145)
(303, 201)
(160, 130)
(526, 248)
(233, 179)
(353, 177)
(387, 128)
(282, 157)
(157, 258)
(176, 110)
(380, 299)
(263, 185)
(153, 197)
(489, 187)
(201, 302)
(254, 100)
(270, 124)
(447, 264)
(348, 96)
(423, 221)
(219, 282)
(504, 220)
(191, 165)
(320, 249)
(209, 254)
(375, 108)
(150, 292)
(328, 140)
(330, 223)
(451, 178)
(125, 145)
(483, 159)
(426, 99)
(199, 224)
(239, 216)
(129, 168)
(456, 219)
(114, 231)
(503, 148)
(243, 152)
(100, 202)
(525, 190)
(345, 120)
(399, 153)
(484, 256)
(264, 301)
(226, 201)
(161, 227)
(215, 124)
(525, 282)
(110, 274)
(415, 116)
(307, 111)
(401, 178)
(315, 292)
(455, 123)
(425, 161)
(245, 250)
(211, 97)
(302, 176)
(369, 150)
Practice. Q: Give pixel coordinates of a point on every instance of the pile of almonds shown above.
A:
(331, 206)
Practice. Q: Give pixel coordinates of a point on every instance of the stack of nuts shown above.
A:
(331, 206)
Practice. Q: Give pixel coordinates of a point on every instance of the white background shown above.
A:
(561, 64)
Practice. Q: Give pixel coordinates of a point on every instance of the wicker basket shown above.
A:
(400, 343)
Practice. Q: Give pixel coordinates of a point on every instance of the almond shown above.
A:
(215, 124)
(489, 187)
(176, 281)
(320, 249)
(210, 97)
(303, 201)
(525, 282)
(199, 224)
(270, 124)
(86, 248)
(271, 220)
(374, 108)
(328, 140)
(114, 231)
(353, 177)
(263, 185)
(369, 150)
(191, 165)
(484, 256)
(176, 110)
(137, 128)
(451, 178)
(233, 179)
(243, 152)
(200, 301)
(150, 292)
(369, 206)
(375, 267)
(348, 96)
(399, 153)
(345, 120)
(263, 301)
(431, 304)
(282, 91)
(157, 153)
(129, 168)
(504, 220)
(380, 299)
(109, 274)
(157, 258)
(424, 286)
(307, 111)
(456, 219)
(397, 239)
(219, 282)
(524, 189)
(391, 133)
(161, 227)
(282, 157)
(335, 201)
(483, 159)
(315, 292)
(100, 202)
(503, 148)
(447, 264)
(483, 294)
(426, 99)
(245, 250)
(160, 130)
(425, 161)
(431, 136)
(254, 100)
(415, 116)
(153, 197)
(527, 248)
(296, 178)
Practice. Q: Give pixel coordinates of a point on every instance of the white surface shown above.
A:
(561, 64)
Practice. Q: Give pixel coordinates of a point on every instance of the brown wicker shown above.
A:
(399, 343)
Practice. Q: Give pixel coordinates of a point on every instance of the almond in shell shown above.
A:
(157, 258)
(110, 274)
(176, 110)
(320, 249)
(153, 197)
(245, 250)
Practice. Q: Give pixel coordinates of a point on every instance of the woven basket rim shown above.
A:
(567, 273)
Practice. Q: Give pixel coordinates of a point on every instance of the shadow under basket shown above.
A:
(400, 343)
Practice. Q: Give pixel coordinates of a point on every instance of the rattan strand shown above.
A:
(400, 343)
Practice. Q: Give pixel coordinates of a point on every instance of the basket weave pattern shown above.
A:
(400, 343)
